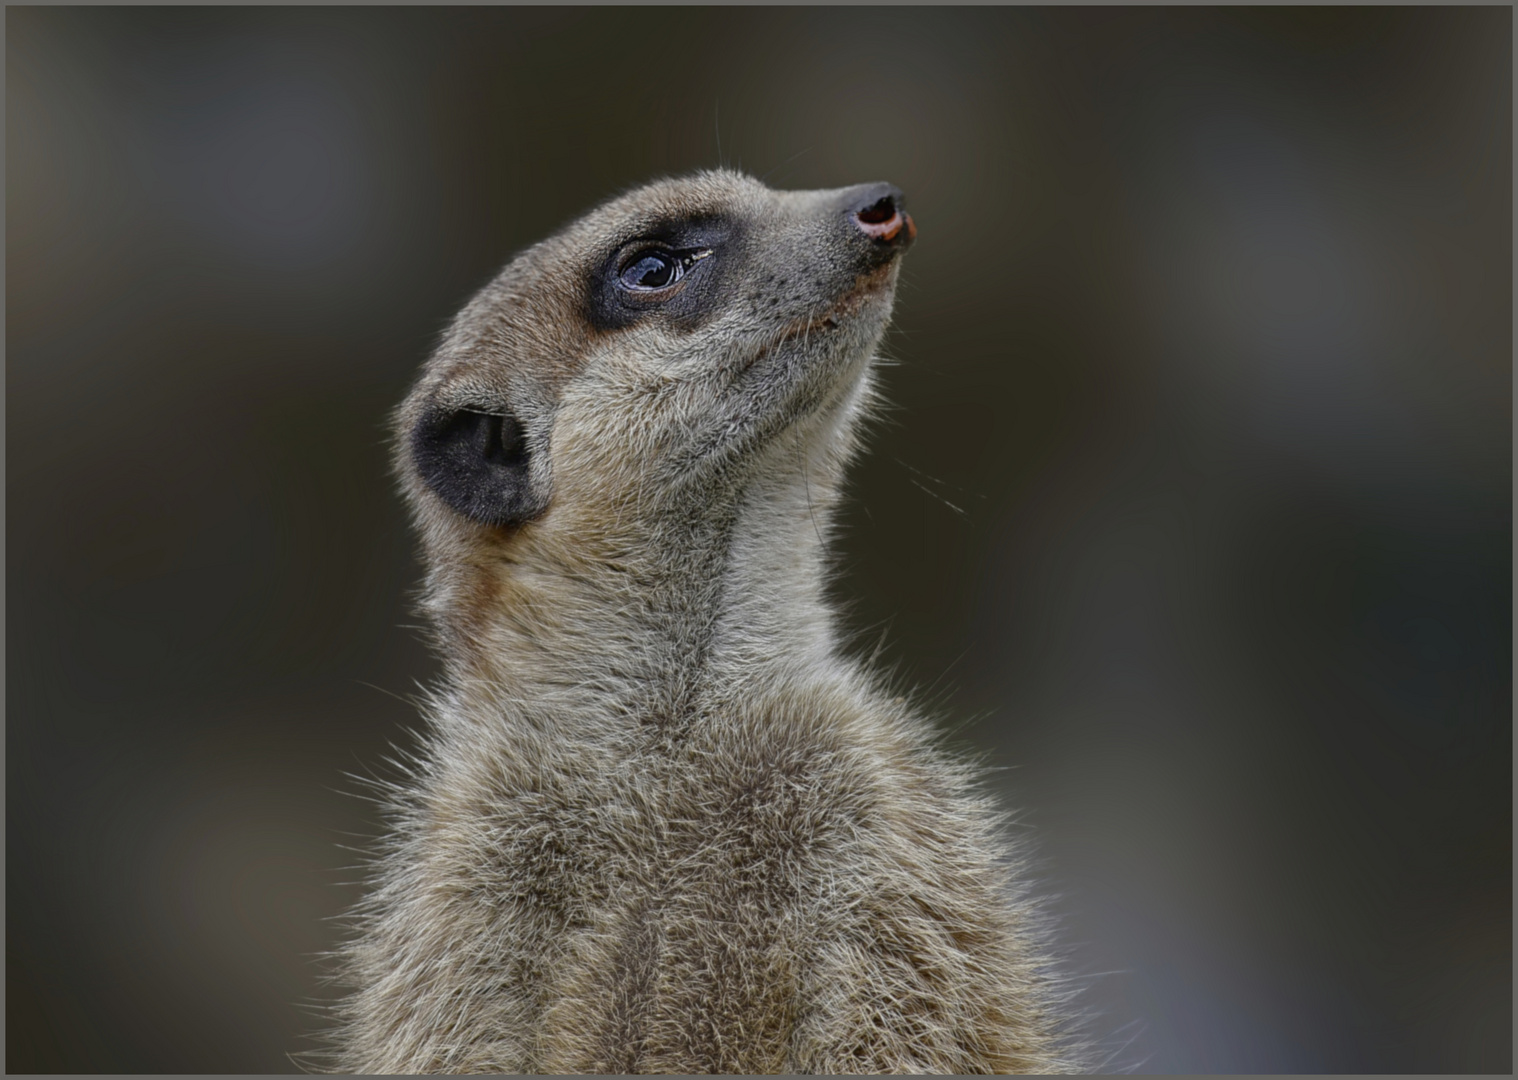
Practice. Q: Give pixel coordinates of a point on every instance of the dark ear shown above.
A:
(477, 463)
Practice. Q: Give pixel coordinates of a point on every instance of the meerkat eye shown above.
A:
(652, 270)
(658, 269)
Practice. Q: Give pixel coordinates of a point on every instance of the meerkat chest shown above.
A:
(670, 899)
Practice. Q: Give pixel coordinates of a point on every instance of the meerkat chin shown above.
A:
(661, 822)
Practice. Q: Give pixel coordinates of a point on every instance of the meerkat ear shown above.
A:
(477, 463)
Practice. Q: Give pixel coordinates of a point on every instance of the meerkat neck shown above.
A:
(727, 595)
(774, 620)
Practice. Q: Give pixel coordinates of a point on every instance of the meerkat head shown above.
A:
(647, 356)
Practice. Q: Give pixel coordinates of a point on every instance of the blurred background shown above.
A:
(1192, 513)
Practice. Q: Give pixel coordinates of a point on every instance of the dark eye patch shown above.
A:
(636, 281)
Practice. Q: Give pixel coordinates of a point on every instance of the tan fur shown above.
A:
(661, 823)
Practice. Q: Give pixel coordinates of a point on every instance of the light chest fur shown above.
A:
(661, 822)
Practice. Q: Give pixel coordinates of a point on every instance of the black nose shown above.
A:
(876, 210)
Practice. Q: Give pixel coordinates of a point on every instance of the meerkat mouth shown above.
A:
(868, 286)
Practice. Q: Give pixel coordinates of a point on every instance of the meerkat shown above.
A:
(661, 821)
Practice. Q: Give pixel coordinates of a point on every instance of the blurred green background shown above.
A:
(1192, 512)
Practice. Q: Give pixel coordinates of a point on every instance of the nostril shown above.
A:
(879, 212)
